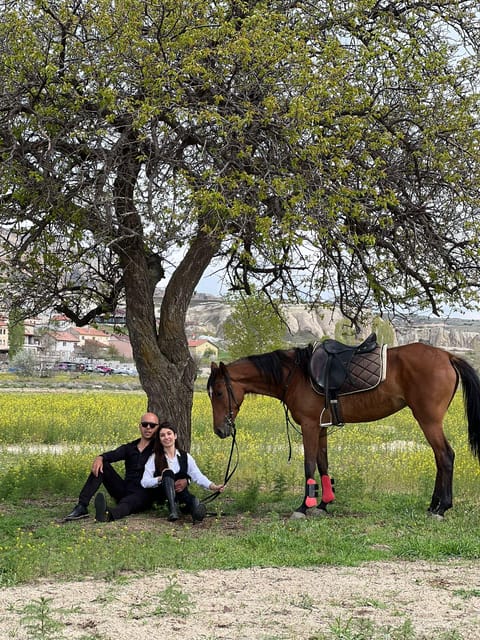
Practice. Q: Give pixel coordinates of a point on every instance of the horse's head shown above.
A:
(226, 397)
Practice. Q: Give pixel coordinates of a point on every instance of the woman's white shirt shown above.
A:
(150, 481)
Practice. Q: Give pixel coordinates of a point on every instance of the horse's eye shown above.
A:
(212, 393)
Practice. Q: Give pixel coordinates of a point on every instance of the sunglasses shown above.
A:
(152, 425)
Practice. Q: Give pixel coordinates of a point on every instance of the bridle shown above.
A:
(232, 401)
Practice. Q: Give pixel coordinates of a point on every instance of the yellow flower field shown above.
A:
(48, 440)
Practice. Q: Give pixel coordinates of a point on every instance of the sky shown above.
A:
(212, 284)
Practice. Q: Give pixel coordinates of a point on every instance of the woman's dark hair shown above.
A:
(160, 460)
(166, 424)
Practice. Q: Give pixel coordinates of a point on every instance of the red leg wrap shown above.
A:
(327, 491)
(311, 493)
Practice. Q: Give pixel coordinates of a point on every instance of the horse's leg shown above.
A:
(310, 449)
(429, 404)
(444, 458)
(322, 464)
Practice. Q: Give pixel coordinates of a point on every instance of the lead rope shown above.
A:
(288, 421)
(228, 473)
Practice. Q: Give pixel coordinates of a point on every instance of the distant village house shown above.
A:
(199, 348)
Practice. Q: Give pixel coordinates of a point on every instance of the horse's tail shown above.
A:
(471, 396)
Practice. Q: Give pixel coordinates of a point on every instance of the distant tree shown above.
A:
(384, 330)
(24, 362)
(16, 332)
(208, 353)
(112, 352)
(254, 326)
(345, 332)
(92, 349)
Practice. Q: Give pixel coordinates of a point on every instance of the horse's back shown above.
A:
(424, 373)
(417, 358)
(418, 375)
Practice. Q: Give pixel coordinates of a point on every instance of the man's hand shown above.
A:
(97, 466)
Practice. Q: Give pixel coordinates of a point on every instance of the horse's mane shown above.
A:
(271, 364)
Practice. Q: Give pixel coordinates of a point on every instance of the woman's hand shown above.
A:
(180, 485)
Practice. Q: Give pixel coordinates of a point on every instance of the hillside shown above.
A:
(207, 318)
(451, 333)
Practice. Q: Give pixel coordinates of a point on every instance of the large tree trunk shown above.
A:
(165, 366)
(179, 369)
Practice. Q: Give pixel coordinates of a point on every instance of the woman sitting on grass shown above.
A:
(166, 466)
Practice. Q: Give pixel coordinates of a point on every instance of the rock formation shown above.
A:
(207, 316)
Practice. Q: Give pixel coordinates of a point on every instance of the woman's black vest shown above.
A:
(183, 462)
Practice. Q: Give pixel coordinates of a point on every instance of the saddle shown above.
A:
(338, 369)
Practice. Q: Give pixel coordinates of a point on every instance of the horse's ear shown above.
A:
(223, 369)
(213, 367)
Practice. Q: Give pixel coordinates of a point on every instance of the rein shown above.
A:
(288, 421)
(289, 424)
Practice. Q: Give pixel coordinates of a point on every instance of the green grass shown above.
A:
(379, 527)
(365, 629)
(382, 493)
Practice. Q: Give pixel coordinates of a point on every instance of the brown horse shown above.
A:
(418, 376)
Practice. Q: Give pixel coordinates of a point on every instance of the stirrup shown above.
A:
(334, 414)
(324, 424)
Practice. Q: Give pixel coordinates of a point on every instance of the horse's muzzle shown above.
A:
(226, 429)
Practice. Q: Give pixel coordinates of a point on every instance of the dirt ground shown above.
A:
(256, 603)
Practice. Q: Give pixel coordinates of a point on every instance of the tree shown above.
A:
(253, 326)
(320, 150)
(344, 332)
(24, 362)
(16, 332)
(92, 349)
(384, 330)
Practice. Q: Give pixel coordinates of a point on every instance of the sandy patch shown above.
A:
(257, 603)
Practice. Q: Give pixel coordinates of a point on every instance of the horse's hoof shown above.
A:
(297, 515)
(319, 513)
(435, 516)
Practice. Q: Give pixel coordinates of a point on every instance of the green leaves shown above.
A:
(322, 151)
(255, 325)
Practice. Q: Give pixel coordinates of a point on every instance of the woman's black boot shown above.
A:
(168, 485)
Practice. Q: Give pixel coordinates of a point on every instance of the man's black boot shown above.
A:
(80, 511)
(101, 511)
